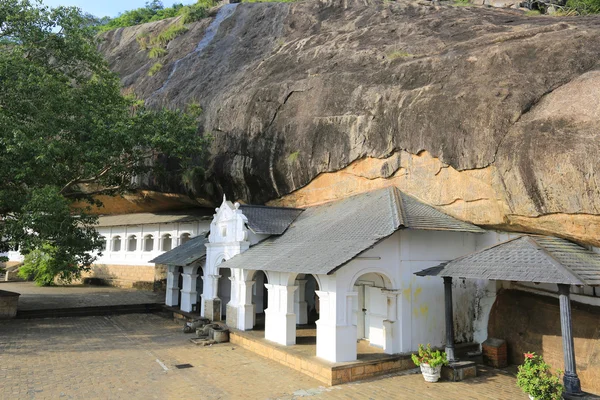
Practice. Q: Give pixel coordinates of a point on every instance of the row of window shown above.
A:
(147, 242)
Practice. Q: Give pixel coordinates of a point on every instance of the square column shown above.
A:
(280, 320)
(449, 319)
(240, 310)
(389, 323)
(189, 295)
(336, 337)
(211, 304)
(172, 294)
(300, 304)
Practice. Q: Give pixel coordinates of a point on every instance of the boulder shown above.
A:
(487, 114)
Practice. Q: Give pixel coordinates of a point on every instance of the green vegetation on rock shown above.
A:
(584, 7)
(67, 133)
(155, 11)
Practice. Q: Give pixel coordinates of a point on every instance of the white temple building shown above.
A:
(347, 265)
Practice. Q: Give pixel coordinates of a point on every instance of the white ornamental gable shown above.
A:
(228, 224)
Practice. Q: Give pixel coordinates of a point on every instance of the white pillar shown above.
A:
(389, 323)
(336, 335)
(280, 320)
(240, 310)
(211, 304)
(300, 305)
(188, 291)
(172, 294)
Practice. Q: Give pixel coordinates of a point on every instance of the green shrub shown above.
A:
(584, 7)
(154, 69)
(536, 379)
(426, 355)
(157, 52)
(47, 264)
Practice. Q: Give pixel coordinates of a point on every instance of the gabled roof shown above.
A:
(325, 237)
(527, 258)
(202, 214)
(269, 220)
(185, 254)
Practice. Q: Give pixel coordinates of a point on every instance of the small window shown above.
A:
(132, 243)
(102, 243)
(184, 238)
(148, 243)
(116, 243)
(166, 242)
(224, 231)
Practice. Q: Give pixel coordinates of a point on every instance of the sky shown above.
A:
(111, 8)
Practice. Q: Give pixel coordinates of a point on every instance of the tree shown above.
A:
(67, 133)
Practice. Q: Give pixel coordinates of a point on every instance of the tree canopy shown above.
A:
(67, 132)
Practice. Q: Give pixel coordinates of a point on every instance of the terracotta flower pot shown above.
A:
(431, 374)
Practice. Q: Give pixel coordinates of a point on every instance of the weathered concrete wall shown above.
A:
(126, 276)
(530, 322)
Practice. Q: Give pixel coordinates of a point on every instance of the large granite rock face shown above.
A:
(487, 114)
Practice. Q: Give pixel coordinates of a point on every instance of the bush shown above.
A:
(47, 264)
(536, 379)
(427, 356)
(584, 7)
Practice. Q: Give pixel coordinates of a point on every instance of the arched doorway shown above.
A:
(224, 290)
(370, 309)
(260, 298)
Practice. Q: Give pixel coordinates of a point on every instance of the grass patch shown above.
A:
(293, 157)
(583, 7)
(157, 52)
(164, 37)
(154, 69)
(399, 54)
(143, 40)
(533, 13)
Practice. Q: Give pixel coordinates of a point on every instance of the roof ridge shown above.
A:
(398, 209)
(566, 270)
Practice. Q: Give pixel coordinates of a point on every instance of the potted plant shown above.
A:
(430, 361)
(537, 380)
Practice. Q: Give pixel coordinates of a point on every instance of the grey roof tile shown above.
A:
(185, 254)
(325, 237)
(527, 258)
(269, 220)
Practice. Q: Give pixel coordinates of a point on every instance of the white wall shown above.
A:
(140, 256)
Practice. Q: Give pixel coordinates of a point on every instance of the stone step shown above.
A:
(90, 311)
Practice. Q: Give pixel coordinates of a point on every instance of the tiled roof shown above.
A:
(325, 237)
(528, 258)
(269, 220)
(185, 254)
(156, 218)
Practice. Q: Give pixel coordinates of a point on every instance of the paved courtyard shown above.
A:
(134, 357)
(52, 297)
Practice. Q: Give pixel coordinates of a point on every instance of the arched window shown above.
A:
(116, 243)
(184, 238)
(132, 243)
(148, 243)
(166, 242)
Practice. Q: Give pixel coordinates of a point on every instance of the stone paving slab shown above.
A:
(73, 296)
(134, 357)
